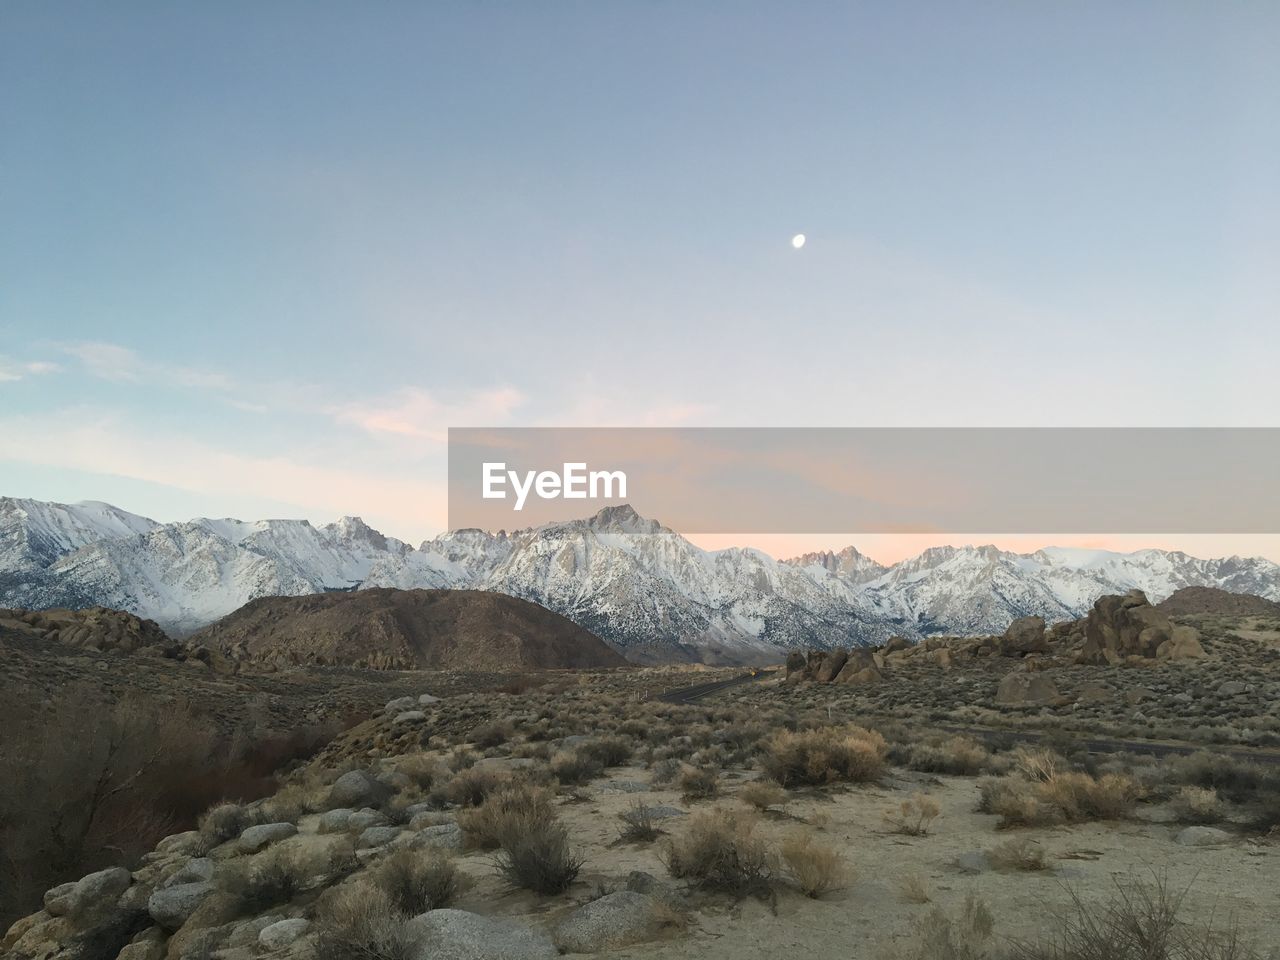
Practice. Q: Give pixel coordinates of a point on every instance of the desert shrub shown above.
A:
(540, 860)
(664, 771)
(698, 783)
(574, 768)
(506, 813)
(958, 756)
(762, 794)
(914, 816)
(1039, 763)
(963, 937)
(260, 883)
(493, 734)
(1140, 921)
(420, 769)
(470, 786)
(361, 923)
(913, 888)
(1198, 805)
(1063, 797)
(1238, 780)
(226, 821)
(720, 851)
(825, 755)
(638, 824)
(1019, 853)
(417, 881)
(815, 868)
(607, 751)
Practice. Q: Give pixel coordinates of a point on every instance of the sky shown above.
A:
(257, 258)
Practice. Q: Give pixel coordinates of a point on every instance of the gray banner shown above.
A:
(858, 480)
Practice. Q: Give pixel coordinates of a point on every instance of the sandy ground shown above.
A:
(1241, 879)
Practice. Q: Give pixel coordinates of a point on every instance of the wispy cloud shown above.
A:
(13, 370)
(419, 414)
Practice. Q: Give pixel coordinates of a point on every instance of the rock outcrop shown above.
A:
(1121, 627)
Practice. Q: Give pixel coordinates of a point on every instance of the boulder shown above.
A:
(1025, 687)
(193, 871)
(459, 935)
(1202, 837)
(263, 835)
(1120, 627)
(612, 921)
(795, 662)
(282, 933)
(831, 666)
(377, 837)
(426, 700)
(1183, 644)
(447, 836)
(57, 901)
(362, 820)
(357, 788)
(400, 705)
(897, 644)
(409, 716)
(860, 678)
(90, 896)
(171, 906)
(1025, 635)
(334, 821)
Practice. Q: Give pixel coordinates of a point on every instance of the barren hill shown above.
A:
(1193, 601)
(406, 629)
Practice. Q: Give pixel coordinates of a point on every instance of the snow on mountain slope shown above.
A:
(642, 587)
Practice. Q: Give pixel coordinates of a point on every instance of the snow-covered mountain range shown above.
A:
(642, 587)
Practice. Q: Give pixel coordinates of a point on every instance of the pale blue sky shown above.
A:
(255, 258)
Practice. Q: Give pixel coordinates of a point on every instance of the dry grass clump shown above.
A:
(1140, 921)
(607, 751)
(720, 851)
(825, 755)
(1238, 780)
(573, 768)
(762, 794)
(1020, 853)
(420, 769)
(963, 937)
(1198, 805)
(260, 883)
(664, 771)
(814, 868)
(470, 787)
(698, 783)
(416, 881)
(361, 923)
(913, 888)
(492, 734)
(638, 824)
(506, 814)
(225, 822)
(540, 860)
(914, 815)
(1062, 797)
(958, 756)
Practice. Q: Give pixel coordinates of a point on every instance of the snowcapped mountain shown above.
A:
(639, 585)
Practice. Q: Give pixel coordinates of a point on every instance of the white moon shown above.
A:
(798, 241)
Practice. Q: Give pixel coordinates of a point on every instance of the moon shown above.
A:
(798, 241)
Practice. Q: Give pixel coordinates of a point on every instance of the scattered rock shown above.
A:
(400, 705)
(1024, 687)
(458, 935)
(613, 920)
(263, 835)
(1202, 837)
(171, 906)
(282, 933)
(409, 716)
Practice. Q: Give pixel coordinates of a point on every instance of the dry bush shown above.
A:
(420, 769)
(227, 821)
(1039, 763)
(1064, 797)
(638, 825)
(1020, 853)
(825, 755)
(958, 756)
(964, 937)
(256, 884)
(914, 816)
(1140, 921)
(816, 869)
(762, 794)
(913, 888)
(1198, 805)
(492, 734)
(664, 771)
(540, 860)
(471, 786)
(1238, 780)
(416, 881)
(719, 851)
(607, 751)
(506, 813)
(360, 923)
(573, 768)
(698, 783)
